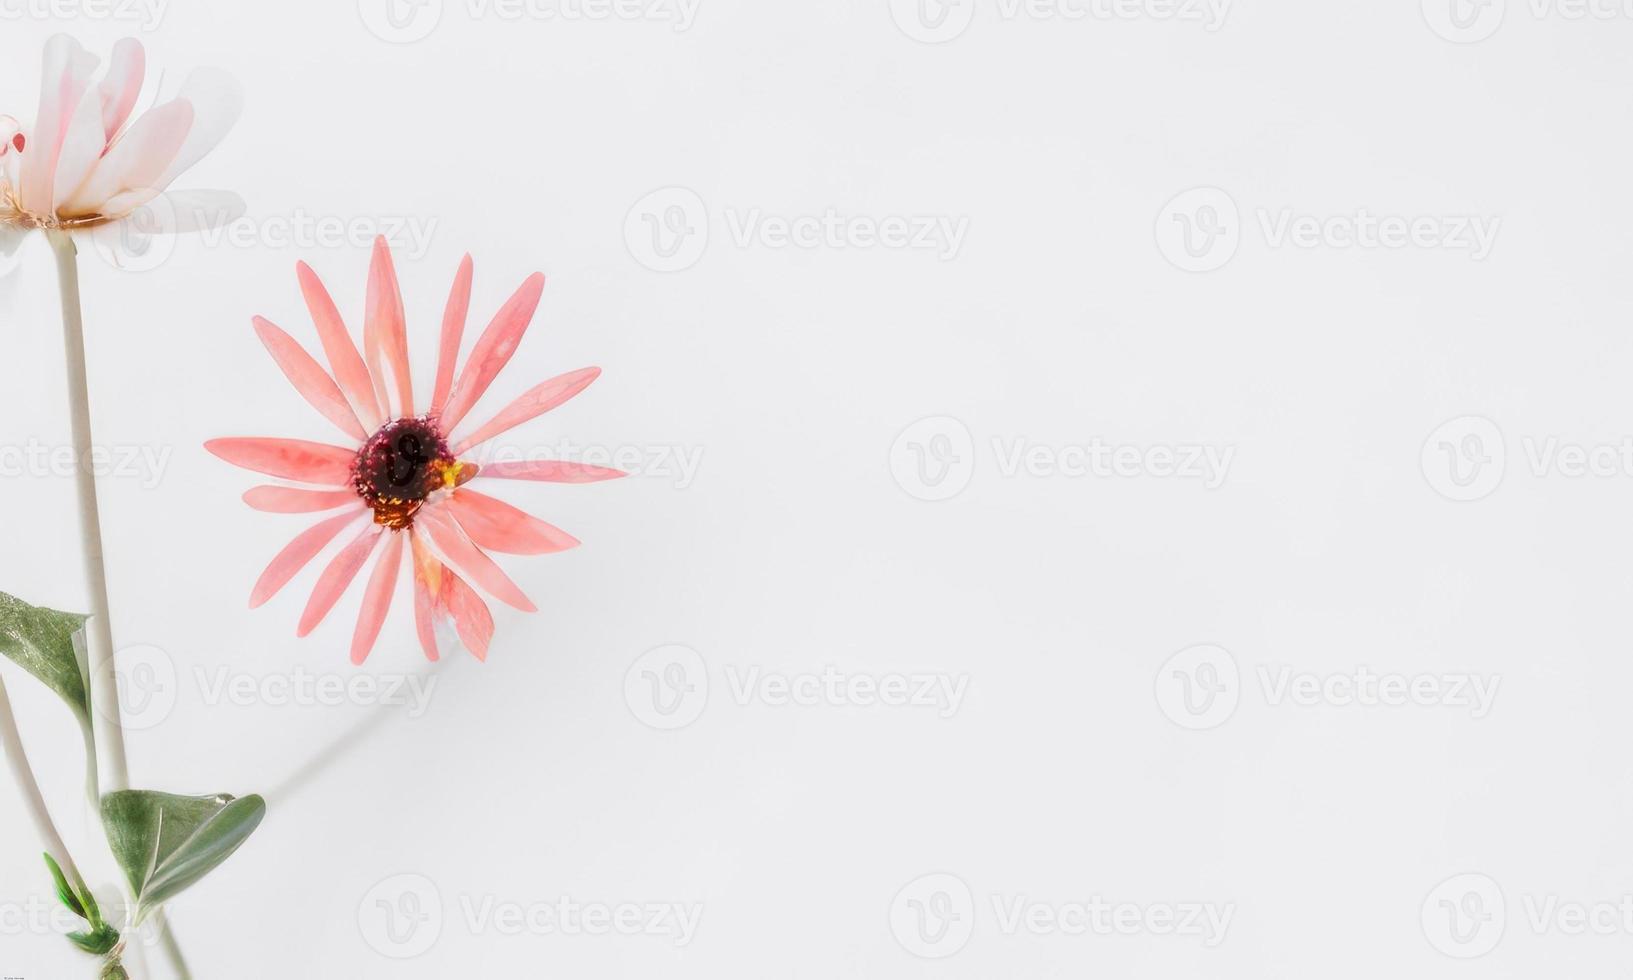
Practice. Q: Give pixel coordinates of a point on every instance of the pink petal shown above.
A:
(471, 560)
(497, 526)
(294, 500)
(133, 166)
(550, 471)
(217, 99)
(121, 85)
(533, 403)
(453, 330)
(82, 147)
(425, 603)
(384, 330)
(350, 371)
(377, 597)
(291, 459)
(472, 620)
(493, 350)
(295, 555)
(332, 583)
(309, 378)
(64, 77)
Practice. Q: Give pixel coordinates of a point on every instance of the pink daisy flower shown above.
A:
(401, 476)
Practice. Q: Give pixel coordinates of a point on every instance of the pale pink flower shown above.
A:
(91, 159)
(400, 478)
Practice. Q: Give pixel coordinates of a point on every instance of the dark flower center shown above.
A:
(403, 464)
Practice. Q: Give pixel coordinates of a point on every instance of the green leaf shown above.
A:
(101, 938)
(65, 892)
(41, 641)
(98, 942)
(50, 645)
(165, 843)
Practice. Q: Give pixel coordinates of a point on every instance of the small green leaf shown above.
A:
(98, 942)
(92, 910)
(65, 892)
(41, 641)
(165, 843)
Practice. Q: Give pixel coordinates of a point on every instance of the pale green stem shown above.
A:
(110, 735)
(29, 791)
(104, 685)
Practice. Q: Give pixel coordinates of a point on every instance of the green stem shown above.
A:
(104, 685)
(110, 736)
(29, 790)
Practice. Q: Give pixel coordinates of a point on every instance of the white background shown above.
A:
(1071, 770)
